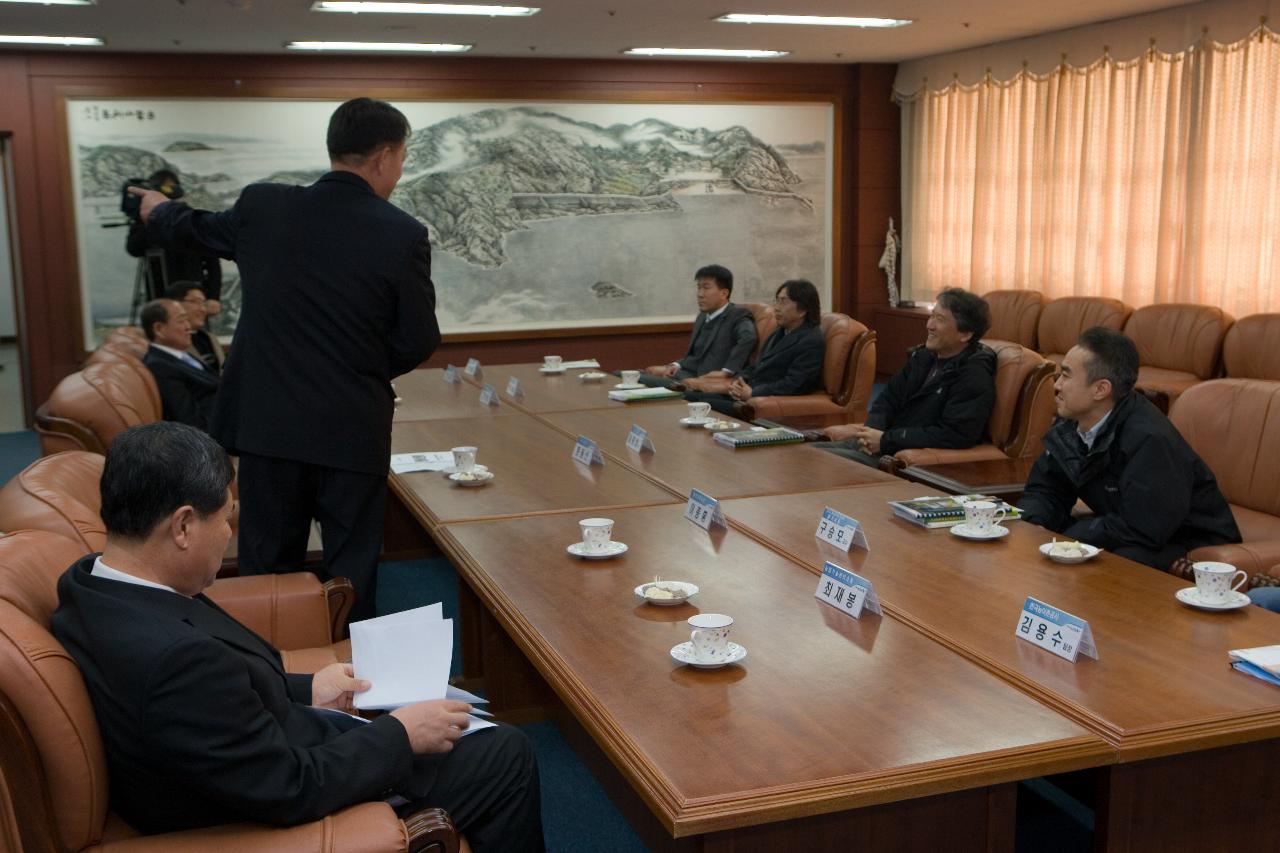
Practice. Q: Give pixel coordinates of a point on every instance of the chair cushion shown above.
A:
(1015, 315)
(1251, 349)
(59, 494)
(1062, 321)
(1171, 382)
(1179, 337)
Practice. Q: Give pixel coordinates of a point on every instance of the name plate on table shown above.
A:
(1055, 630)
(473, 367)
(451, 375)
(587, 452)
(846, 592)
(836, 528)
(513, 387)
(638, 439)
(488, 396)
(704, 510)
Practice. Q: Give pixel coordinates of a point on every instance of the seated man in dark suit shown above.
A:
(723, 335)
(790, 360)
(1153, 498)
(201, 724)
(943, 395)
(187, 387)
(204, 345)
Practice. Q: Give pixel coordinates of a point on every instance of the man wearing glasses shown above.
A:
(204, 345)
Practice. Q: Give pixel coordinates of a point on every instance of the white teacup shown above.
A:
(1215, 581)
(699, 411)
(551, 362)
(631, 377)
(983, 515)
(711, 635)
(464, 459)
(596, 534)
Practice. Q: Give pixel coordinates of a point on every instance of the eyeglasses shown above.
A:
(782, 300)
(196, 300)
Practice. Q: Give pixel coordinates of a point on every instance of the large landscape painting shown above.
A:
(544, 215)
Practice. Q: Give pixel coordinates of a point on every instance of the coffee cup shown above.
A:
(710, 636)
(464, 459)
(699, 411)
(1216, 581)
(983, 515)
(596, 533)
(551, 362)
(631, 377)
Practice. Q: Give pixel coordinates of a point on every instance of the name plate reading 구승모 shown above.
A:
(587, 452)
(846, 592)
(473, 367)
(488, 396)
(513, 387)
(1055, 630)
(836, 528)
(638, 439)
(451, 375)
(704, 510)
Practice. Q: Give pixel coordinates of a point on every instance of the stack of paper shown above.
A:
(632, 395)
(583, 363)
(403, 463)
(1260, 662)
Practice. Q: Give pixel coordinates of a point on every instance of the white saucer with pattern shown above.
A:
(966, 531)
(684, 653)
(615, 549)
(1191, 597)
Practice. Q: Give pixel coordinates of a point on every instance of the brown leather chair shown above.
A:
(119, 354)
(1023, 411)
(765, 322)
(1251, 349)
(88, 409)
(53, 769)
(1015, 316)
(848, 372)
(1062, 321)
(1234, 424)
(295, 612)
(129, 340)
(1178, 346)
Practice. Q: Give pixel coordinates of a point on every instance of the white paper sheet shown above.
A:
(404, 463)
(405, 655)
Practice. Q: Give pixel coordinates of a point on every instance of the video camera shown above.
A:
(130, 204)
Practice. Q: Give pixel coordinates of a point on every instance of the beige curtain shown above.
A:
(1153, 180)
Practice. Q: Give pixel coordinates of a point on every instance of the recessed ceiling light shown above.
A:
(385, 46)
(53, 2)
(705, 51)
(425, 8)
(63, 41)
(811, 20)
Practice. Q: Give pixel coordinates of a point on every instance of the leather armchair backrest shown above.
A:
(1179, 337)
(1015, 365)
(1015, 315)
(106, 398)
(1251, 349)
(117, 354)
(122, 340)
(1062, 321)
(1234, 424)
(839, 330)
(765, 322)
(58, 494)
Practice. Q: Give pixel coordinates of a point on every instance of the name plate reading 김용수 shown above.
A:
(846, 592)
(473, 367)
(1055, 630)
(836, 528)
(451, 375)
(513, 387)
(704, 510)
(587, 452)
(638, 439)
(488, 396)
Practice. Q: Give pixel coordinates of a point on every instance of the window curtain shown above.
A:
(1151, 180)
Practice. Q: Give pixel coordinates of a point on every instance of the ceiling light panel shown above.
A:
(811, 20)
(425, 9)
(705, 51)
(52, 2)
(380, 46)
(60, 41)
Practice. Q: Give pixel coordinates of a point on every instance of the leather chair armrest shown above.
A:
(772, 408)
(1258, 556)
(290, 611)
(943, 456)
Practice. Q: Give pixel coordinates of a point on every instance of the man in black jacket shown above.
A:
(187, 388)
(338, 301)
(1152, 497)
(942, 397)
(170, 266)
(723, 335)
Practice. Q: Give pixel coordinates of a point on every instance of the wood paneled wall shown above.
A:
(34, 84)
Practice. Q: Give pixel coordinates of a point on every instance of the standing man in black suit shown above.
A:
(723, 335)
(187, 388)
(338, 301)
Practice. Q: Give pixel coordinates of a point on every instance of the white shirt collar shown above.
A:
(1091, 435)
(716, 313)
(180, 355)
(102, 570)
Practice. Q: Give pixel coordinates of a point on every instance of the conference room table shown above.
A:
(424, 395)
(1172, 727)
(557, 392)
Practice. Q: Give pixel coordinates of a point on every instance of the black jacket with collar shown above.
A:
(789, 363)
(949, 410)
(187, 393)
(724, 343)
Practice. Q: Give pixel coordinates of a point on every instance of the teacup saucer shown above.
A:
(453, 470)
(686, 590)
(965, 531)
(475, 478)
(545, 369)
(684, 653)
(627, 386)
(1191, 597)
(615, 549)
(693, 422)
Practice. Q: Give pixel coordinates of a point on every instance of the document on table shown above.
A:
(404, 463)
(574, 365)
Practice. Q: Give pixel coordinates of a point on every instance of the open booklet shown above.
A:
(406, 656)
(1260, 662)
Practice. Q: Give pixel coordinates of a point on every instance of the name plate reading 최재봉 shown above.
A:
(451, 375)
(513, 387)
(846, 592)
(488, 396)
(473, 367)
(836, 528)
(704, 510)
(587, 452)
(638, 439)
(1055, 630)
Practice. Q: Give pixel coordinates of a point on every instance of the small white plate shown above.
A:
(615, 549)
(1089, 553)
(964, 531)
(591, 376)
(1191, 597)
(481, 477)
(627, 386)
(683, 652)
(692, 422)
(452, 470)
(545, 369)
(721, 426)
(689, 590)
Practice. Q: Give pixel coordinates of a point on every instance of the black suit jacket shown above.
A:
(186, 393)
(789, 364)
(201, 724)
(723, 344)
(338, 300)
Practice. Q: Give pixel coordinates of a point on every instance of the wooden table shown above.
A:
(1002, 478)
(825, 714)
(560, 392)
(424, 395)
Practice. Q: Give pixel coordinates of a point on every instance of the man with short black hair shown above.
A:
(724, 334)
(204, 346)
(1153, 499)
(188, 389)
(337, 301)
(201, 724)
